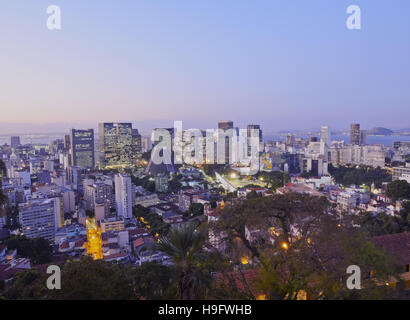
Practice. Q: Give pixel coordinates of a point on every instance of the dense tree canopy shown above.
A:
(399, 189)
(382, 223)
(347, 176)
(38, 250)
(299, 246)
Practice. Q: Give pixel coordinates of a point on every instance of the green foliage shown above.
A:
(145, 182)
(184, 246)
(274, 179)
(253, 195)
(157, 225)
(174, 185)
(38, 250)
(314, 259)
(382, 223)
(358, 176)
(90, 213)
(12, 221)
(399, 189)
(210, 169)
(154, 282)
(196, 209)
(27, 285)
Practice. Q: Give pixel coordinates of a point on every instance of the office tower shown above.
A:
(290, 140)
(38, 219)
(355, 134)
(15, 141)
(123, 195)
(255, 127)
(325, 136)
(249, 136)
(67, 142)
(225, 126)
(136, 146)
(124, 142)
(363, 137)
(82, 148)
(115, 143)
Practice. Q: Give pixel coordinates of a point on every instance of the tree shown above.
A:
(38, 250)
(397, 190)
(382, 223)
(299, 246)
(196, 209)
(277, 211)
(347, 175)
(154, 281)
(184, 246)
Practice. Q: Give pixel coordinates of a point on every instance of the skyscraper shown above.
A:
(355, 134)
(14, 141)
(136, 146)
(325, 136)
(123, 195)
(225, 126)
(82, 148)
(363, 137)
(254, 127)
(115, 143)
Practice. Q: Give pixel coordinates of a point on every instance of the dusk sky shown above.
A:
(284, 64)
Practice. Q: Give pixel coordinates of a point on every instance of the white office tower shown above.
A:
(123, 195)
(325, 136)
(37, 219)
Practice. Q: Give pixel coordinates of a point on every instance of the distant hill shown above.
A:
(379, 131)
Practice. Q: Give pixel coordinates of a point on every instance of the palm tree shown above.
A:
(184, 246)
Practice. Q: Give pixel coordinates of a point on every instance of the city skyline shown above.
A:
(157, 62)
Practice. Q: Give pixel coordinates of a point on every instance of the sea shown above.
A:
(370, 140)
(46, 139)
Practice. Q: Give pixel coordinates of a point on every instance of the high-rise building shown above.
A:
(355, 134)
(225, 126)
(15, 141)
(136, 146)
(254, 127)
(115, 143)
(363, 137)
(123, 195)
(67, 142)
(38, 219)
(82, 148)
(325, 136)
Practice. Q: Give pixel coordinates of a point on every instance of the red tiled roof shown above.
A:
(64, 245)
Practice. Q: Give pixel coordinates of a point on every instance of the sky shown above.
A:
(284, 64)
